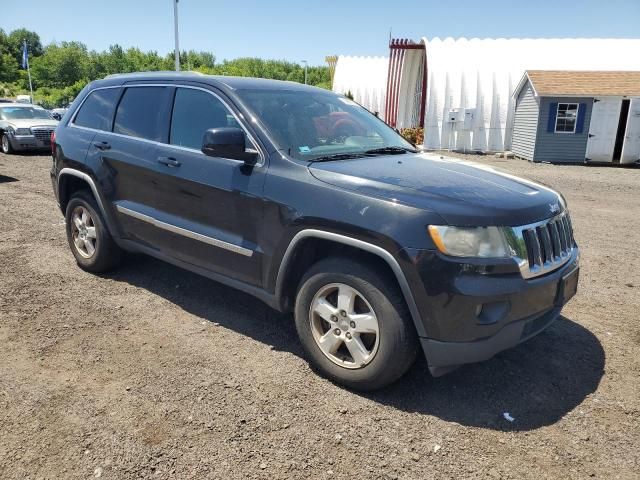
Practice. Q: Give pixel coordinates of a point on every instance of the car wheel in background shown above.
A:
(5, 144)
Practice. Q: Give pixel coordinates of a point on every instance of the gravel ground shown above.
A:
(153, 371)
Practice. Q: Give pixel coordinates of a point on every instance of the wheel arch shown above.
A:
(293, 265)
(70, 181)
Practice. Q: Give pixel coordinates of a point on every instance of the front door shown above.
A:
(208, 209)
(603, 128)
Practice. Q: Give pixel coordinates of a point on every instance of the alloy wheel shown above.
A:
(344, 325)
(83, 232)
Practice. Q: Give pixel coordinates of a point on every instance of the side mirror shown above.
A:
(228, 142)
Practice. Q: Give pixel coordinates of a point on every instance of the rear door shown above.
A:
(128, 158)
(208, 209)
(94, 115)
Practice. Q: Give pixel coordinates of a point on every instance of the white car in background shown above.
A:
(23, 99)
(58, 113)
(25, 127)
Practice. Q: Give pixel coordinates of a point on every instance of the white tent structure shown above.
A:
(365, 78)
(470, 83)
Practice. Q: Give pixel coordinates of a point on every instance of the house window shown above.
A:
(566, 117)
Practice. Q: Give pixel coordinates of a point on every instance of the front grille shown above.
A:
(549, 244)
(42, 133)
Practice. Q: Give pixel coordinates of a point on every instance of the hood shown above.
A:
(33, 122)
(462, 193)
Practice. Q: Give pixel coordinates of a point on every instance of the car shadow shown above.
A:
(536, 383)
(30, 153)
(5, 179)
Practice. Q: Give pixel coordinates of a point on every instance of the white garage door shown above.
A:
(631, 147)
(603, 128)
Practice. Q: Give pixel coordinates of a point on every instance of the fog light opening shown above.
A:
(490, 313)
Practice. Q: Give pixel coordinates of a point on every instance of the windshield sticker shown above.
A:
(304, 149)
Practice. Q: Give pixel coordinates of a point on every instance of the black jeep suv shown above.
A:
(306, 200)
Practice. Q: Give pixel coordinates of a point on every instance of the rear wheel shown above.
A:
(90, 241)
(353, 324)
(6, 144)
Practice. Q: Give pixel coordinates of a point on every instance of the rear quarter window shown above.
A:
(97, 110)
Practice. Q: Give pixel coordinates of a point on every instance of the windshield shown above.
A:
(21, 113)
(320, 125)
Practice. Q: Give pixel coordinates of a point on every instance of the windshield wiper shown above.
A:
(336, 156)
(389, 150)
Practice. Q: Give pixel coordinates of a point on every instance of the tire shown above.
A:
(391, 351)
(95, 250)
(5, 144)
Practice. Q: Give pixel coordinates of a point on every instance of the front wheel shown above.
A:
(354, 325)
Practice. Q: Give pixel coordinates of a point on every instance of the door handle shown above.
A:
(591, 135)
(102, 145)
(169, 161)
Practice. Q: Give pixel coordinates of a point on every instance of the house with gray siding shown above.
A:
(577, 117)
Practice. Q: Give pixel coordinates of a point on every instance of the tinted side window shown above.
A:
(97, 110)
(194, 112)
(143, 113)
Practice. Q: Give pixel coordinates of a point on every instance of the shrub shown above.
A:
(414, 135)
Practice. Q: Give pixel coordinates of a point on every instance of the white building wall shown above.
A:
(481, 74)
(365, 78)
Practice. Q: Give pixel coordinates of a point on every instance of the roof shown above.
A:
(232, 83)
(548, 83)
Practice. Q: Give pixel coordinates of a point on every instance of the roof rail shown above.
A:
(154, 72)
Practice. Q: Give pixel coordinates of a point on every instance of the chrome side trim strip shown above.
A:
(376, 250)
(184, 232)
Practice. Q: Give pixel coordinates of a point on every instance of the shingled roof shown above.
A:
(549, 83)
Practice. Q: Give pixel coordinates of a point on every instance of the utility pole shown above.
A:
(175, 24)
(305, 70)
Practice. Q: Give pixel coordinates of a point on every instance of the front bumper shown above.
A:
(28, 142)
(471, 312)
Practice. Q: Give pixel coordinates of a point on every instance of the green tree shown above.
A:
(15, 41)
(4, 45)
(61, 70)
(8, 68)
(61, 65)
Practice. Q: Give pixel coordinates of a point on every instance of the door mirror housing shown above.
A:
(228, 142)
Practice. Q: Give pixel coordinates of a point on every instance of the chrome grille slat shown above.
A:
(555, 239)
(562, 234)
(533, 247)
(42, 133)
(545, 246)
(545, 239)
(570, 230)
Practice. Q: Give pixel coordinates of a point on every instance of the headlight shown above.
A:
(23, 131)
(470, 241)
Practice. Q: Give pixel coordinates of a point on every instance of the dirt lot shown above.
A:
(153, 371)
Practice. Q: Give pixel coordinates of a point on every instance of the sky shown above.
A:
(309, 30)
